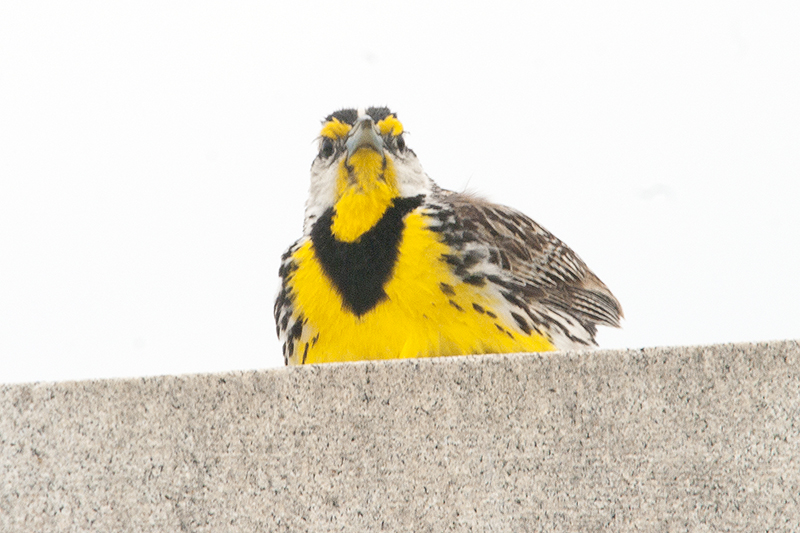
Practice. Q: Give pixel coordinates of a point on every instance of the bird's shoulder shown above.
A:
(516, 252)
(515, 242)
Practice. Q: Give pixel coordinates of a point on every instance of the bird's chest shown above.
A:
(419, 306)
(379, 298)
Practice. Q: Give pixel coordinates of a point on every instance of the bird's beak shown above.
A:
(363, 135)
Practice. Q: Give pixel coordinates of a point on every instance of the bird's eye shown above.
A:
(401, 143)
(326, 150)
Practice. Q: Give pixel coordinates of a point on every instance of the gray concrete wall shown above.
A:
(663, 439)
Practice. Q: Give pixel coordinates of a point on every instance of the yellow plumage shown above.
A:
(363, 197)
(416, 320)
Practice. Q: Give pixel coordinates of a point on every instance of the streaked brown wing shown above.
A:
(539, 263)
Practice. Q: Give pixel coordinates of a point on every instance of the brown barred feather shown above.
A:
(539, 273)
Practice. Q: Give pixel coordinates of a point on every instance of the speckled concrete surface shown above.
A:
(672, 439)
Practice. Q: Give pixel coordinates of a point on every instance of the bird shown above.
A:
(392, 266)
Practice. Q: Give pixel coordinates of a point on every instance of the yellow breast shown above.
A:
(427, 311)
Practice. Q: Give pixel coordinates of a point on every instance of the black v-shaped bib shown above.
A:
(359, 270)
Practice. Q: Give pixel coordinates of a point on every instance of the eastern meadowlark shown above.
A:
(390, 265)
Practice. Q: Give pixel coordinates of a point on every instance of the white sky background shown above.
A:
(154, 161)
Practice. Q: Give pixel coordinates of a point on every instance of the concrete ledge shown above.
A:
(663, 439)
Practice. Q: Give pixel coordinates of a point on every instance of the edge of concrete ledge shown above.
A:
(687, 438)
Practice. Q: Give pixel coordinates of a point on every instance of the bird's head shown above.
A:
(363, 164)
